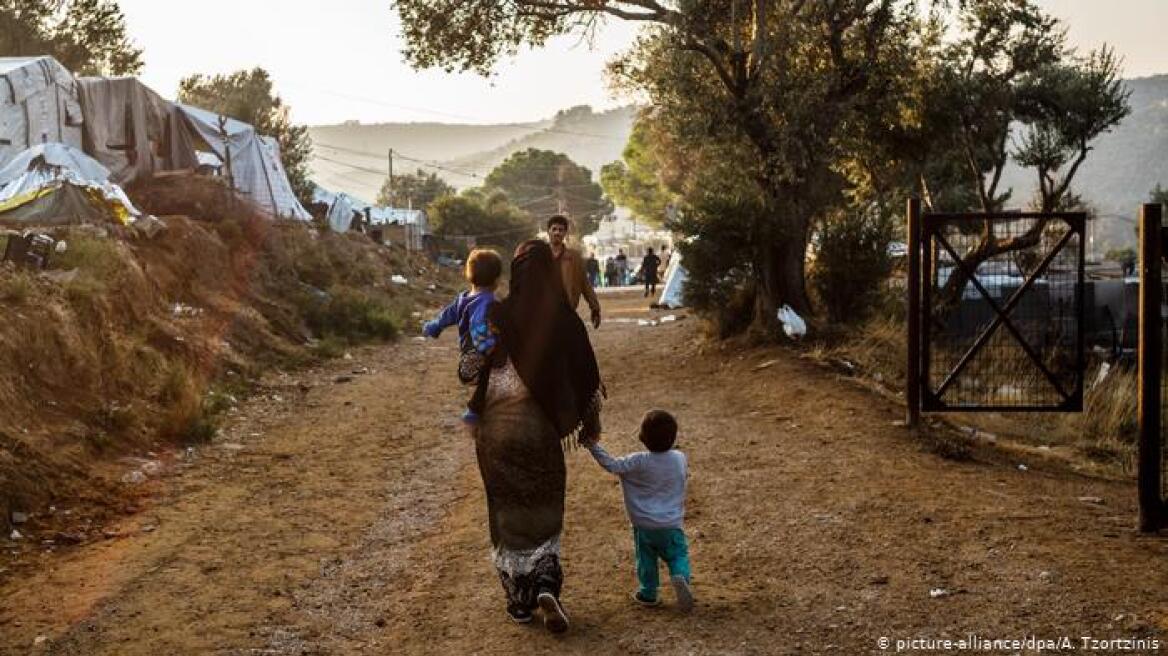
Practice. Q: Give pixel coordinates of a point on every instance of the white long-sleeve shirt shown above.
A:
(653, 485)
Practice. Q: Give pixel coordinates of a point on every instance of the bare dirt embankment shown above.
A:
(132, 345)
(338, 516)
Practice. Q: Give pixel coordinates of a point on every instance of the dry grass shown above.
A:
(15, 287)
(1103, 432)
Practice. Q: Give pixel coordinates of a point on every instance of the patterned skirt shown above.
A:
(522, 466)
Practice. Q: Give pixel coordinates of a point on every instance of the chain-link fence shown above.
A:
(1002, 312)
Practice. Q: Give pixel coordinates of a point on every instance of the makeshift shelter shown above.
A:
(55, 184)
(675, 276)
(251, 160)
(133, 131)
(38, 104)
(341, 208)
(407, 227)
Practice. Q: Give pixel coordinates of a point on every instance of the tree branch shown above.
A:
(720, 68)
(1057, 194)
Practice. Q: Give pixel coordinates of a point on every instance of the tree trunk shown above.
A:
(782, 280)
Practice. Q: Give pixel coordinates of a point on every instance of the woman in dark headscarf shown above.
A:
(543, 391)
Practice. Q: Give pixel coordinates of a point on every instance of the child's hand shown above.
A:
(589, 440)
(430, 329)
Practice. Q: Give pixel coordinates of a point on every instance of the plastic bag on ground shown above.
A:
(793, 324)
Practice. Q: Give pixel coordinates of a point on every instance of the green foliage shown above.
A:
(1065, 106)
(852, 261)
(1121, 255)
(818, 106)
(353, 315)
(488, 216)
(541, 182)
(88, 37)
(413, 190)
(248, 96)
(721, 280)
(634, 181)
(95, 257)
(1158, 195)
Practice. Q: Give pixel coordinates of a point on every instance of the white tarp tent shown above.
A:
(255, 161)
(675, 276)
(39, 103)
(57, 184)
(133, 131)
(340, 208)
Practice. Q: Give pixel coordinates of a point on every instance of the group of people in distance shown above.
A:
(616, 270)
(537, 388)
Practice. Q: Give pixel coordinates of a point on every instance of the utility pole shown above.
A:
(390, 194)
(561, 203)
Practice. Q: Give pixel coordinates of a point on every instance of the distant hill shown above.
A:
(352, 157)
(590, 139)
(1124, 166)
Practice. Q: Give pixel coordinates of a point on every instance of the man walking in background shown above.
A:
(592, 268)
(649, 271)
(622, 268)
(571, 265)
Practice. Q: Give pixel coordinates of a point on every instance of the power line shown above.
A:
(436, 165)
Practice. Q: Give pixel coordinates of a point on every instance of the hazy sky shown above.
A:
(341, 60)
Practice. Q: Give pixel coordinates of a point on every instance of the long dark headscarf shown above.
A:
(546, 341)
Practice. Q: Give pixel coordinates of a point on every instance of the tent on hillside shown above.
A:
(38, 104)
(133, 131)
(675, 276)
(54, 184)
(254, 161)
(341, 207)
(408, 227)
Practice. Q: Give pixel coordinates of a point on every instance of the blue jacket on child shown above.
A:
(469, 313)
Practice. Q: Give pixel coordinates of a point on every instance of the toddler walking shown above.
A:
(476, 337)
(653, 483)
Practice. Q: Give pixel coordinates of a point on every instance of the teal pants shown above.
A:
(666, 544)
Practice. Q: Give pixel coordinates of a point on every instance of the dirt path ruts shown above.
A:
(352, 522)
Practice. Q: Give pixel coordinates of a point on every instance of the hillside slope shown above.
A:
(353, 158)
(1125, 165)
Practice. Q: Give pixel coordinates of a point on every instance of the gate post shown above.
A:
(912, 393)
(1150, 365)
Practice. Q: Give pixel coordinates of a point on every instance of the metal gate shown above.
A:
(1153, 493)
(1001, 310)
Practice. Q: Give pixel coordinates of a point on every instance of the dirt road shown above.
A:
(347, 518)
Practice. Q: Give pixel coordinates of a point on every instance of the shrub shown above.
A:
(329, 347)
(15, 288)
(720, 283)
(96, 257)
(852, 262)
(353, 315)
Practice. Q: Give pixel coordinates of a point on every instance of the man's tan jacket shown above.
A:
(575, 279)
